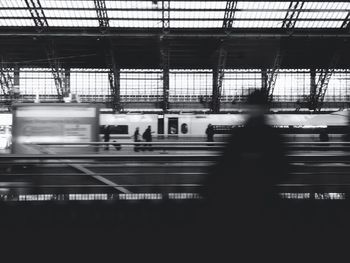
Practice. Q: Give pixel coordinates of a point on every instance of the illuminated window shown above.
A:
(190, 83)
(292, 85)
(89, 82)
(238, 83)
(338, 86)
(37, 81)
(141, 83)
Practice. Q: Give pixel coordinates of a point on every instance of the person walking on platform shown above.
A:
(245, 180)
(107, 136)
(147, 136)
(210, 133)
(137, 138)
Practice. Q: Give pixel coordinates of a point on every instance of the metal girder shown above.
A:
(272, 75)
(317, 98)
(346, 23)
(114, 80)
(7, 85)
(6, 82)
(218, 77)
(219, 72)
(37, 13)
(323, 81)
(165, 53)
(165, 63)
(102, 15)
(229, 14)
(288, 23)
(165, 16)
(292, 14)
(114, 71)
(57, 71)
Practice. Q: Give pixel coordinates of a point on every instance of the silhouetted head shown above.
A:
(257, 97)
(149, 126)
(257, 103)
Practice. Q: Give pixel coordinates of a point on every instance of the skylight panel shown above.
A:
(67, 3)
(142, 16)
(256, 24)
(262, 5)
(133, 4)
(73, 23)
(197, 14)
(198, 4)
(195, 24)
(136, 23)
(16, 22)
(14, 13)
(68, 16)
(318, 24)
(135, 14)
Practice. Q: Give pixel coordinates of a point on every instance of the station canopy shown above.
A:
(309, 31)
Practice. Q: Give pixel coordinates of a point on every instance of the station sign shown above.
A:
(55, 123)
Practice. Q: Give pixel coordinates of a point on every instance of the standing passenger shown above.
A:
(137, 138)
(210, 133)
(241, 188)
(107, 135)
(324, 136)
(147, 136)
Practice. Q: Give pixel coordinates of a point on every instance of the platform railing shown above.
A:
(28, 174)
(197, 146)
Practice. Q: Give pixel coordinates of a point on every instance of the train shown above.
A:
(192, 126)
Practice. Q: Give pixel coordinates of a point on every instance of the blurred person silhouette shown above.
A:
(137, 138)
(241, 187)
(210, 133)
(147, 136)
(324, 136)
(107, 136)
(116, 145)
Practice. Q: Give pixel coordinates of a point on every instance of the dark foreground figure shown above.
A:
(241, 189)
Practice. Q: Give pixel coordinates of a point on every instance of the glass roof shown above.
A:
(183, 14)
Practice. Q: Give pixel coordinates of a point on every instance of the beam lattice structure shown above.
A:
(41, 24)
(289, 22)
(219, 71)
(165, 53)
(318, 96)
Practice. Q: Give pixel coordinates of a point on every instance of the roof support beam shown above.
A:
(317, 99)
(102, 15)
(346, 23)
(40, 20)
(7, 85)
(273, 72)
(289, 22)
(165, 53)
(56, 70)
(114, 82)
(292, 14)
(219, 71)
(37, 13)
(114, 70)
(322, 83)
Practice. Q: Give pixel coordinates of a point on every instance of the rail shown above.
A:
(316, 175)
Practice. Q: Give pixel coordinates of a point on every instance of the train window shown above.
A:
(116, 129)
(173, 125)
(184, 128)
